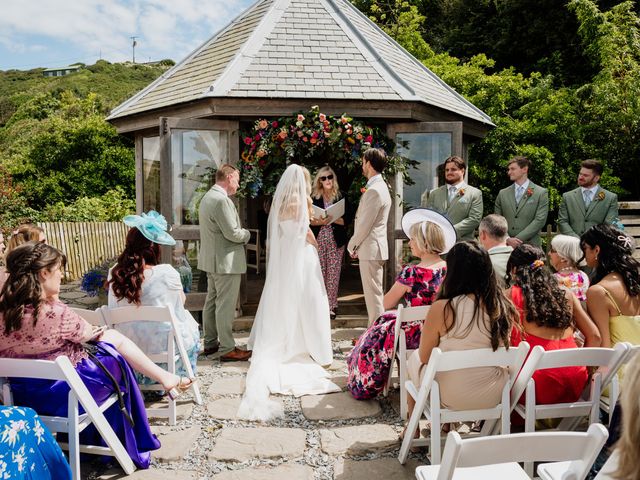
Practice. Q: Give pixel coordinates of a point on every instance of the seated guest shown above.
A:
(613, 299)
(35, 325)
(29, 450)
(471, 312)
(24, 233)
(565, 255)
(369, 363)
(492, 235)
(549, 313)
(138, 278)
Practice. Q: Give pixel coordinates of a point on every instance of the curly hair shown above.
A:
(128, 274)
(469, 271)
(23, 287)
(616, 255)
(545, 302)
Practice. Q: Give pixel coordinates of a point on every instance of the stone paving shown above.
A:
(321, 437)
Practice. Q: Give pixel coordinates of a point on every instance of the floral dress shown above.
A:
(370, 360)
(577, 282)
(27, 448)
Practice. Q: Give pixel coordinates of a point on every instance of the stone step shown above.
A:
(351, 307)
(341, 321)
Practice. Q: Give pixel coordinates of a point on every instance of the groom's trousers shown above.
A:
(219, 310)
(371, 272)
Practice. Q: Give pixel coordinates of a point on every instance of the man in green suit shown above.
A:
(222, 256)
(587, 205)
(524, 204)
(459, 202)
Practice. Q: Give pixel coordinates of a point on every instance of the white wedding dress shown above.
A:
(291, 334)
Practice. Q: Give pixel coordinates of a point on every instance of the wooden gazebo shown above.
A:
(276, 58)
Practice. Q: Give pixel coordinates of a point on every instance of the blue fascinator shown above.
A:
(152, 225)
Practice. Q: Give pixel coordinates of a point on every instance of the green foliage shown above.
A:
(312, 139)
(113, 206)
(58, 148)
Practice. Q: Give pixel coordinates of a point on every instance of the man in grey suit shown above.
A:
(459, 202)
(524, 204)
(222, 256)
(587, 205)
(492, 235)
(369, 241)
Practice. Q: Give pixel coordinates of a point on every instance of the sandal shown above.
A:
(181, 387)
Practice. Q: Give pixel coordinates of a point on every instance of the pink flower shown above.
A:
(322, 117)
(274, 124)
(343, 119)
(369, 139)
(314, 135)
(247, 140)
(300, 117)
(305, 139)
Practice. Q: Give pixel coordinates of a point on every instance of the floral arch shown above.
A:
(311, 139)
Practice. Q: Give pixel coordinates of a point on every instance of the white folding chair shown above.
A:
(94, 317)
(612, 380)
(74, 422)
(496, 457)
(119, 316)
(400, 353)
(587, 405)
(427, 397)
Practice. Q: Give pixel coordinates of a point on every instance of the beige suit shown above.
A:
(222, 256)
(369, 241)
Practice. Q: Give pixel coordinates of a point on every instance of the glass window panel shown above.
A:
(151, 174)
(430, 150)
(195, 155)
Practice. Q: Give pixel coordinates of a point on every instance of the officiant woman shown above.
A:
(331, 237)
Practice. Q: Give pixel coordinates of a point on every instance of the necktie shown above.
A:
(587, 197)
(519, 193)
(452, 193)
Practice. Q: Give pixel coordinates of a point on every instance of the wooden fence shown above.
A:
(86, 244)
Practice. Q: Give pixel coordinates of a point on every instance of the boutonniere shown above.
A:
(600, 195)
(461, 192)
(529, 191)
(363, 189)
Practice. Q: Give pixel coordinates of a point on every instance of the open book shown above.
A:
(335, 211)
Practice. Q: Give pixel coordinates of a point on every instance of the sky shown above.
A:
(56, 33)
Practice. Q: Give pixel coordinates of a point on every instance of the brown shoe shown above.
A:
(236, 355)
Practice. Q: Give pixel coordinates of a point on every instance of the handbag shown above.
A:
(92, 348)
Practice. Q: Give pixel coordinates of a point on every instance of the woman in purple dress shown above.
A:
(369, 363)
(35, 324)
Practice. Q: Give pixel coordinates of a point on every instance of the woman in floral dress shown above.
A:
(331, 234)
(369, 363)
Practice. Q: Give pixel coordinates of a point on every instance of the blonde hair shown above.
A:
(628, 447)
(428, 237)
(317, 185)
(568, 247)
(23, 234)
(307, 178)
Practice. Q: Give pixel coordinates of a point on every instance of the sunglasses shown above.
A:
(328, 177)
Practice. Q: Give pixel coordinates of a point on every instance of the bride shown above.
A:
(291, 334)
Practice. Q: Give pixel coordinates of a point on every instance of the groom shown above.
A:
(222, 256)
(369, 241)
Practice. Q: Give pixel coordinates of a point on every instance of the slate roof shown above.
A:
(316, 49)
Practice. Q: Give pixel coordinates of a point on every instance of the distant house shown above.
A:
(61, 71)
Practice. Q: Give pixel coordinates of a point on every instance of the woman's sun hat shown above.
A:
(152, 225)
(419, 215)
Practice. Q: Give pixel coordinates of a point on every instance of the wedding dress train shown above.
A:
(291, 334)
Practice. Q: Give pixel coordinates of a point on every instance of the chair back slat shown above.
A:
(572, 357)
(94, 317)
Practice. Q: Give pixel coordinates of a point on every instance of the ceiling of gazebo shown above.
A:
(299, 49)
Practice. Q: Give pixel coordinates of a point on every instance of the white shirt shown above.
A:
(373, 180)
(220, 189)
(452, 190)
(523, 189)
(592, 191)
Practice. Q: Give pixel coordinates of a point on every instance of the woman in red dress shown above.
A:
(549, 316)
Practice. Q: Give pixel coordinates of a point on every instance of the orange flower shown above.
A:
(600, 195)
(262, 124)
(313, 140)
(461, 192)
(529, 191)
(363, 189)
(261, 153)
